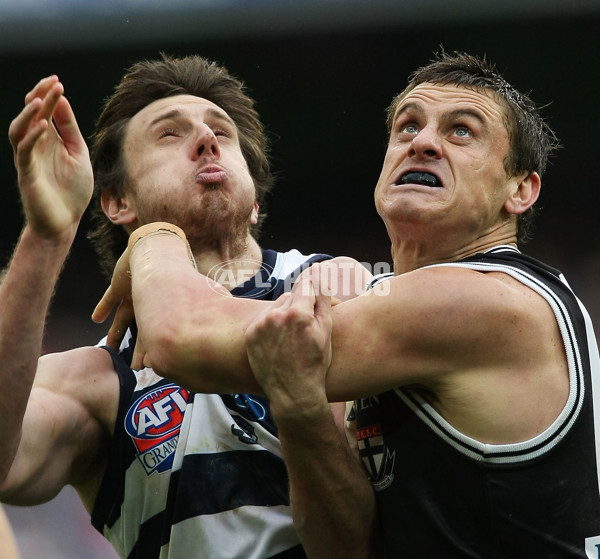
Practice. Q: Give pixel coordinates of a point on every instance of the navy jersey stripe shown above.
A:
(212, 483)
(108, 511)
(151, 539)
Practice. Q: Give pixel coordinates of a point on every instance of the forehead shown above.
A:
(456, 98)
(186, 106)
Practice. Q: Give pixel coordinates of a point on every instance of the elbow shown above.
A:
(164, 347)
(177, 350)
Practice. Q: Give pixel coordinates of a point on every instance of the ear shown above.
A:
(524, 194)
(254, 216)
(119, 210)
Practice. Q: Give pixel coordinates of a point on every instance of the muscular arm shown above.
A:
(177, 329)
(332, 501)
(193, 329)
(443, 329)
(55, 181)
(66, 428)
(24, 297)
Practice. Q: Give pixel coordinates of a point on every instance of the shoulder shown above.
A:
(423, 325)
(454, 288)
(347, 277)
(285, 263)
(75, 366)
(85, 377)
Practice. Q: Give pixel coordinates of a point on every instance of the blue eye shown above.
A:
(463, 132)
(410, 129)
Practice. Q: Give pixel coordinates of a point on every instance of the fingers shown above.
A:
(310, 299)
(24, 135)
(123, 318)
(40, 104)
(140, 358)
(50, 100)
(66, 124)
(322, 292)
(104, 306)
(313, 290)
(41, 88)
(118, 290)
(35, 118)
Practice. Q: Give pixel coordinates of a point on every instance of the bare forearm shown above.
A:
(333, 504)
(192, 329)
(25, 295)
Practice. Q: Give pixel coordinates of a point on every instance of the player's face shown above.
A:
(185, 165)
(443, 173)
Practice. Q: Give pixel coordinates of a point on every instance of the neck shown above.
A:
(411, 255)
(228, 262)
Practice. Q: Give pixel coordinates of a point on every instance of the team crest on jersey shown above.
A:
(376, 457)
(243, 430)
(153, 423)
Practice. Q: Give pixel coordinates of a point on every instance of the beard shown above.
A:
(210, 220)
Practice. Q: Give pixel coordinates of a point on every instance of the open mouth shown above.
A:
(420, 177)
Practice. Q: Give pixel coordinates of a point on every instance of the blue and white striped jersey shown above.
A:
(199, 475)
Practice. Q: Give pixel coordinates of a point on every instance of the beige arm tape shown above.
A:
(159, 228)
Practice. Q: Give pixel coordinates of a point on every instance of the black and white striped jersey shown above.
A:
(443, 494)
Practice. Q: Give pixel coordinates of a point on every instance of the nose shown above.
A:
(426, 144)
(206, 143)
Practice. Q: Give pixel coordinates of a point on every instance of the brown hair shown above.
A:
(148, 81)
(531, 138)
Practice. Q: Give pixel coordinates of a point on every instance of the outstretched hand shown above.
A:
(52, 161)
(119, 294)
(289, 347)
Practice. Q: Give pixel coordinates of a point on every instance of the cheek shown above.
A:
(386, 176)
(243, 177)
(140, 167)
(391, 159)
(381, 199)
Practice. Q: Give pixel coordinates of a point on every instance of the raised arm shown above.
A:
(55, 181)
(394, 335)
(194, 330)
(187, 322)
(332, 501)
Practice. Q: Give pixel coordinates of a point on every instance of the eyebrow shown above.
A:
(177, 113)
(448, 115)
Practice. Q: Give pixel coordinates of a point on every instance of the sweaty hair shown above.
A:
(531, 138)
(148, 81)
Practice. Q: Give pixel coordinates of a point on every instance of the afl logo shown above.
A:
(233, 273)
(153, 423)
